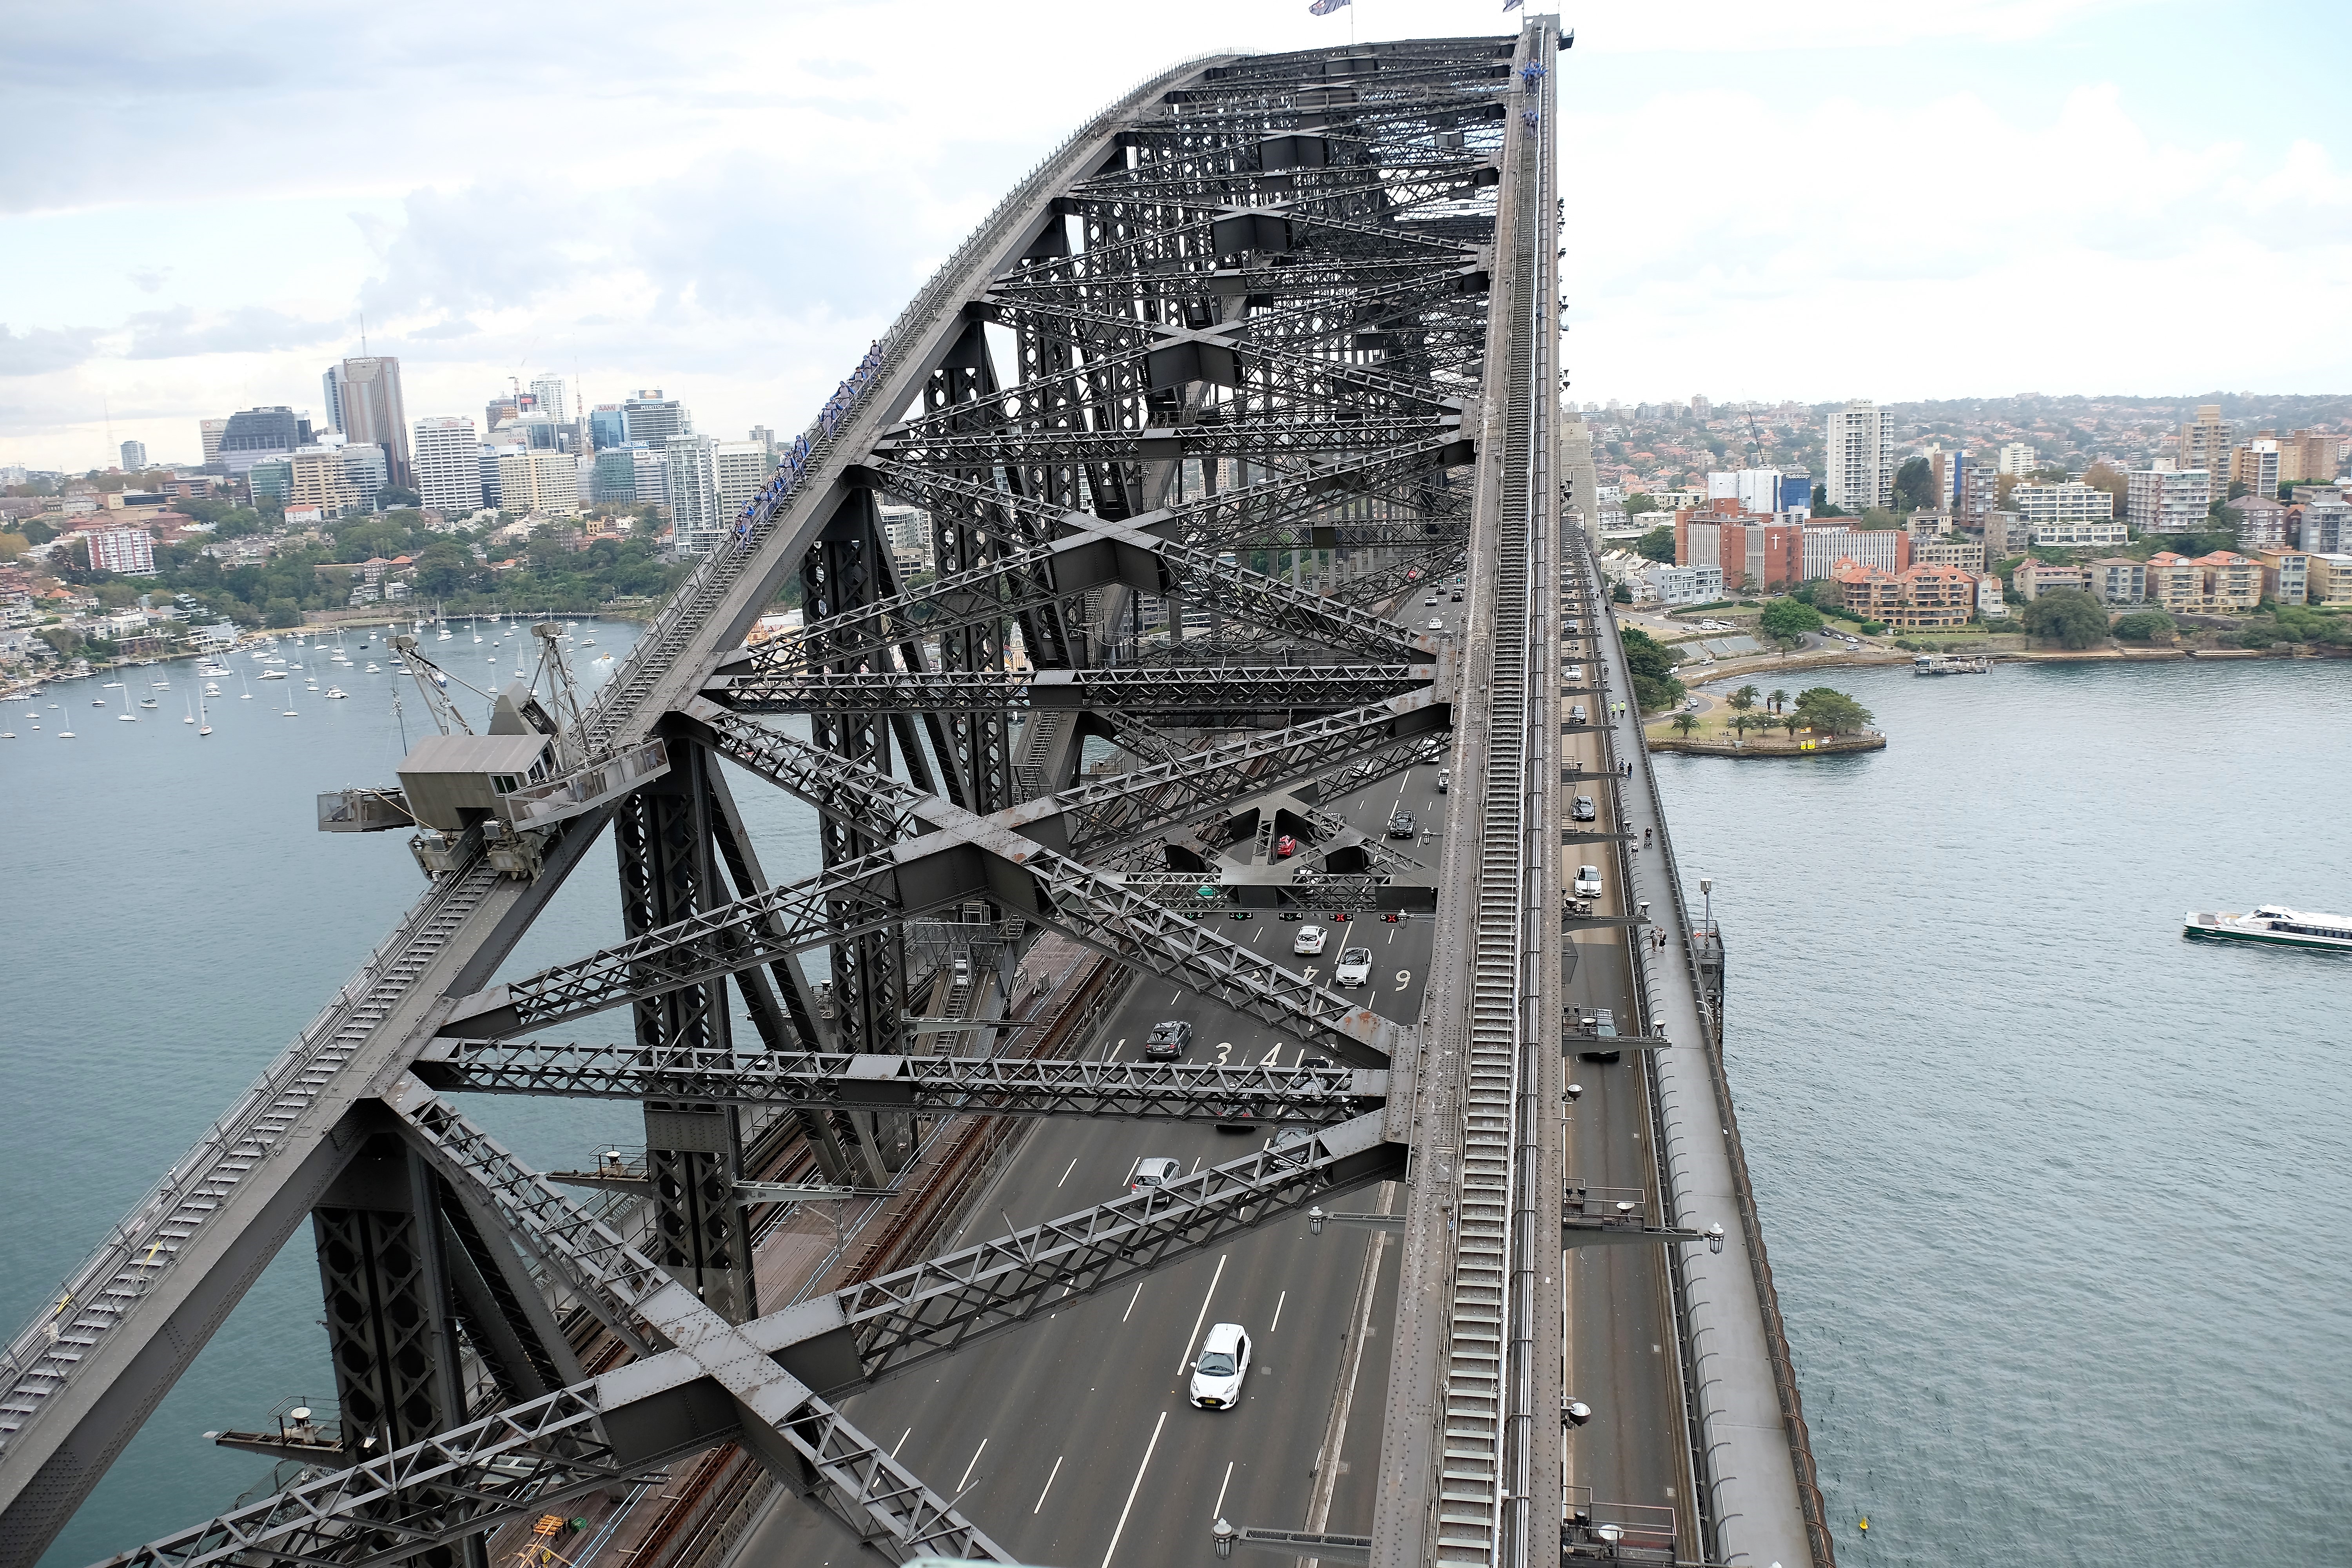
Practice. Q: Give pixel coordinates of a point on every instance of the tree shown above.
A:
(1779, 699)
(1879, 518)
(1831, 710)
(1639, 502)
(1786, 620)
(1619, 594)
(1658, 545)
(2104, 476)
(393, 495)
(1652, 669)
(2146, 625)
(2001, 490)
(1745, 698)
(1915, 485)
(1685, 724)
(2071, 619)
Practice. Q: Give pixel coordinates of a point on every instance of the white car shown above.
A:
(1355, 966)
(1310, 940)
(1436, 623)
(1587, 881)
(1573, 675)
(1156, 1173)
(1218, 1372)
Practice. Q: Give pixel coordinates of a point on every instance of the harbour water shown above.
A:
(2056, 1200)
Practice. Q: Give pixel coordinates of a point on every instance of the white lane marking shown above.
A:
(1219, 1511)
(1121, 1528)
(1278, 1300)
(1196, 1166)
(1129, 1180)
(1193, 1338)
(976, 1453)
(1131, 1301)
(1049, 1482)
(901, 1442)
(1068, 1168)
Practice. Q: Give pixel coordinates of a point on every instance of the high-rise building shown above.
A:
(134, 457)
(449, 465)
(253, 435)
(765, 437)
(330, 394)
(530, 480)
(2308, 457)
(2255, 465)
(693, 481)
(2166, 499)
(372, 410)
(125, 551)
(2205, 442)
(211, 431)
(2017, 458)
(1860, 451)
(2073, 501)
(2325, 526)
(548, 390)
(319, 477)
(1979, 493)
(742, 468)
(606, 427)
(487, 461)
(651, 417)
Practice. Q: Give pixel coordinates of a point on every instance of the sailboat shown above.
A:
(289, 712)
(127, 716)
(205, 720)
(248, 688)
(187, 703)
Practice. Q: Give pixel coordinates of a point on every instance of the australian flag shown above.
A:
(1324, 7)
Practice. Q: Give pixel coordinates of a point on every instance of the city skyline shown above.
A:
(1770, 216)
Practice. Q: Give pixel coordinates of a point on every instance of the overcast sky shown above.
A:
(1811, 199)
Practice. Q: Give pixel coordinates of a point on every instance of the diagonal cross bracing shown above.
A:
(936, 1086)
(1200, 691)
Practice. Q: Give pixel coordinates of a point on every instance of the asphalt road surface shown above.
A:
(1071, 1441)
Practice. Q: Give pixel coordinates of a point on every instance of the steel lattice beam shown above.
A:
(1219, 691)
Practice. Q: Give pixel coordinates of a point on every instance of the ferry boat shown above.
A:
(2275, 924)
(1950, 664)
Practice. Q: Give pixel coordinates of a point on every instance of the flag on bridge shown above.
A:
(1325, 7)
(1511, 4)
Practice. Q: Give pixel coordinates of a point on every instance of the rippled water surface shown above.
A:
(2057, 1201)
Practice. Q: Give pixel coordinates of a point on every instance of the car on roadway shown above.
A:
(1168, 1039)
(1294, 1133)
(1602, 1024)
(1310, 940)
(1445, 777)
(1573, 674)
(1581, 808)
(1154, 1173)
(1285, 848)
(1401, 826)
(1576, 713)
(1436, 623)
(1218, 1372)
(1691, 706)
(1457, 595)
(1429, 603)
(1587, 881)
(1570, 626)
(1355, 966)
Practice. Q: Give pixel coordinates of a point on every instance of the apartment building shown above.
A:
(2166, 499)
(2034, 578)
(2286, 573)
(742, 467)
(1991, 603)
(1953, 549)
(2307, 457)
(1917, 598)
(2072, 502)
(447, 461)
(2255, 465)
(1686, 584)
(2079, 535)
(531, 480)
(1860, 470)
(2256, 521)
(2118, 580)
(2205, 442)
(2017, 459)
(1888, 549)
(1754, 554)
(2328, 583)
(2325, 523)
(125, 551)
(2223, 582)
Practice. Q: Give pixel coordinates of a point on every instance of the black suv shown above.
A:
(1400, 825)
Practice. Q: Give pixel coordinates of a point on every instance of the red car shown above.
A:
(1285, 848)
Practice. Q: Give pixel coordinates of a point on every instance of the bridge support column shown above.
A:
(664, 838)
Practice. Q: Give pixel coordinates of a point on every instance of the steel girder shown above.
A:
(765, 1382)
(933, 1085)
(1219, 696)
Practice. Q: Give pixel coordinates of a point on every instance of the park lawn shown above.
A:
(1715, 724)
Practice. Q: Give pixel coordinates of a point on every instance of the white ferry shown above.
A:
(2274, 924)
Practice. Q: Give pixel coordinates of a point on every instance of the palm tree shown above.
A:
(1745, 698)
(1789, 721)
(1779, 699)
(1686, 723)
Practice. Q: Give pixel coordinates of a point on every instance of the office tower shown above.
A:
(134, 457)
(373, 411)
(211, 431)
(449, 465)
(331, 393)
(606, 427)
(253, 435)
(693, 480)
(1860, 450)
(765, 437)
(487, 460)
(742, 466)
(548, 391)
(498, 410)
(2205, 444)
(532, 481)
(649, 416)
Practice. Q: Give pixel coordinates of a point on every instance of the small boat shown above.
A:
(148, 702)
(65, 734)
(2274, 925)
(110, 686)
(337, 691)
(8, 735)
(371, 669)
(273, 675)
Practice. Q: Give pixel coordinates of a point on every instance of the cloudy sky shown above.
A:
(1810, 199)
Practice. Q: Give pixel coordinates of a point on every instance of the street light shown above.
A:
(1706, 891)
